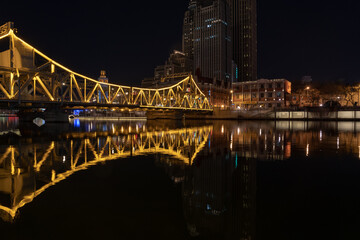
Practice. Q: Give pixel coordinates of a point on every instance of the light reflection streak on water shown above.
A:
(307, 149)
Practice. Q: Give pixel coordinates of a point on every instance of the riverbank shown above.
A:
(308, 114)
(110, 118)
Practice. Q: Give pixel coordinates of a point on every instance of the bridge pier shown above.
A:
(173, 115)
(49, 115)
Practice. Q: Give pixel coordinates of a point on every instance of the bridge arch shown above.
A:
(46, 76)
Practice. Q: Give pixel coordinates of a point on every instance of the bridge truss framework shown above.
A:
(28, 75)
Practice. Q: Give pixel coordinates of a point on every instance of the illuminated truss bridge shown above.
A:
(29, 76)
(47, 164)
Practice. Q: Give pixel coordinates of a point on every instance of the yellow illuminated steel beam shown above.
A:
(115, 95)
(88, 98)
(153, 97)
(77, 87)
(44, 88)
(4, 91)
(103, 93)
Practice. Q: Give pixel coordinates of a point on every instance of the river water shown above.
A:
(180, 180)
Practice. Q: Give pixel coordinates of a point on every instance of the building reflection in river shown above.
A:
(219, 190)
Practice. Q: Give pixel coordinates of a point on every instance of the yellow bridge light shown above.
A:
(81, 89)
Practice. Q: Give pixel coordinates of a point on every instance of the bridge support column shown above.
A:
(49, 115)
(172, 115)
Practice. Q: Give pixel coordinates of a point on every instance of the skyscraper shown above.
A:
(244, 38)
(238, 26)
(207, 38)
(188, 30)
(207, 41)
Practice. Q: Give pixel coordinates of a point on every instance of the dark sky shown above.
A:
(129, 38)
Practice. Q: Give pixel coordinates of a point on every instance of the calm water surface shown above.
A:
(180, 180)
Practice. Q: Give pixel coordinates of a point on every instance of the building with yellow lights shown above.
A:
(263, 93)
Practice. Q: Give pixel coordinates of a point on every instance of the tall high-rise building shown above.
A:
(188, 30)
(244, 38)
(207, 39)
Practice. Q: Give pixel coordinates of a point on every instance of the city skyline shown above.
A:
(294, 39)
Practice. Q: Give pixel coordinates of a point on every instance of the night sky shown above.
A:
(129, 38)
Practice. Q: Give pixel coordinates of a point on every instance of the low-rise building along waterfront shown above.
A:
(263, 93)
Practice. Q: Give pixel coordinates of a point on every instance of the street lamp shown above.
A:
(307, 93)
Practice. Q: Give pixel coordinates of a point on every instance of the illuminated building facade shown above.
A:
(215, 90)
(188, 31)
(263, 93)
(207, 40)
(103, 79)
(244, 38)
(212, 41)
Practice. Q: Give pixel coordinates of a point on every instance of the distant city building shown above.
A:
(103, 79)
(244, 38)
(263, 93)
(212, 40)
(219, 45)
(215, 90)
(149, 82)
(177, 63)
(207, 40)
(188, 30)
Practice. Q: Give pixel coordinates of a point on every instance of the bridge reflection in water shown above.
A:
(217, 165)
(28, 169)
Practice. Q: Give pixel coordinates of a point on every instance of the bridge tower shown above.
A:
(103, 79)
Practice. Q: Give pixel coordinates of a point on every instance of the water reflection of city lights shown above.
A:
(321, 135)
(307, 149)
(337, 143)
(77, 123)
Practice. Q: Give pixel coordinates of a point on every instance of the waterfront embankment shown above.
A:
(312, 114)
